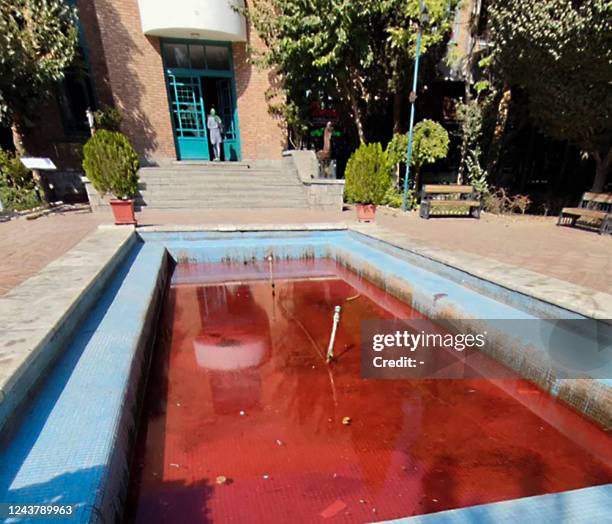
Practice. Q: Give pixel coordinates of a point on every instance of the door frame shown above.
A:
(189, 72)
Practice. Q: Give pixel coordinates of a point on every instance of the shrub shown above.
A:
(108, 118)
(499, 202)
(395, 198)
(17, 186)
(397, 149)
(368, 175)
(111, 164)
(429, 143)
(477, 176)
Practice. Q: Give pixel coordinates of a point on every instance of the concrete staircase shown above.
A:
(209, 185)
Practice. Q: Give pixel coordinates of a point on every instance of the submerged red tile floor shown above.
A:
(243, 419)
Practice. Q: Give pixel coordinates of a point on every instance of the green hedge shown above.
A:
(111, 164)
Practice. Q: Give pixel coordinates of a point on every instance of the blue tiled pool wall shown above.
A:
(519, 300)
(72, 444)
(417, 280)
(41, 361)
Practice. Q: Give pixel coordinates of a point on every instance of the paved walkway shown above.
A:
(535, 243)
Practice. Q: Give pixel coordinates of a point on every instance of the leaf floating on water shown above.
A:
(333, 509)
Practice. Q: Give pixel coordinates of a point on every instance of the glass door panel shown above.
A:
(187, 107)
(231, 147)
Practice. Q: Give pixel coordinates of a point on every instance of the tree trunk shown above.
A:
(397, 112)
(349, 92)
(18, 136)
(461, 169)
(500, 128)
(602, 166)
(17, 129)
(356, 115)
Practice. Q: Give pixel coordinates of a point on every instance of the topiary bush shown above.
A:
(429, 143)
(368, 175)
(111, 164)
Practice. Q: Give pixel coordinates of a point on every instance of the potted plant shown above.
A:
(368, 177)
(111, 165)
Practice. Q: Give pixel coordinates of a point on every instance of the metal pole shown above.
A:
(332, 337)
(412, 103)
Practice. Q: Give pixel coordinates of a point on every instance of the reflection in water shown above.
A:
(239, 389)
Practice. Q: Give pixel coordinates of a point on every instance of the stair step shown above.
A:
(245, 197)
(219, 180)
(196, 169)
(218, 188)
(208, 185)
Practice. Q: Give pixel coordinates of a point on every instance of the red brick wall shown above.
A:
(127, 70)
(136, 78)
(261, 135)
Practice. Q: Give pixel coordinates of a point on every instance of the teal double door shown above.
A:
(199, 78)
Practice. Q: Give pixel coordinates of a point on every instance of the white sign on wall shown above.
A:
(32, 162)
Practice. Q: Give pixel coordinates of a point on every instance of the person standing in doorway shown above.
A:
(215, 134)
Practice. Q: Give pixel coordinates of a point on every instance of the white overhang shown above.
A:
(193, 19)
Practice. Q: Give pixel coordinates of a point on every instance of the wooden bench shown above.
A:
(594, 210)
(449, 200)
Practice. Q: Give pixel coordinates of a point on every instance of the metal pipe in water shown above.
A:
(330, 348)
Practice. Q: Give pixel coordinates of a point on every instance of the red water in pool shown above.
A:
(243, 420)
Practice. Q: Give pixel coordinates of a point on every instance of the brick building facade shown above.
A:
(164, 65)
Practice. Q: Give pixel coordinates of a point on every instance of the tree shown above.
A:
(560, 53)
(429, 143)
(37, 42)
(357, 51)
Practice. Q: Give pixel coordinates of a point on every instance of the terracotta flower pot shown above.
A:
(366, 212)
(123, 211)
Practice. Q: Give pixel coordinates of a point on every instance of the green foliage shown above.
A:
(397, 149)
(395, 198)
(477, 176)
(37, 43)
(111, 164)
(108, 118)
(481, 86)
(560, 53)
(358, 52)
(17, 187)
(429, 143)
(470, 117)
(368, 175)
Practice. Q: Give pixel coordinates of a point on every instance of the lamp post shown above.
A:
(423, 19)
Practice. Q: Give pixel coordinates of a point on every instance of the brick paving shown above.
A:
(535, 243)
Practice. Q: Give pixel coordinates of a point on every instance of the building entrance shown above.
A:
(200, 77)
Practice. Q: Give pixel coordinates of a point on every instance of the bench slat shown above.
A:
(600, 198)
(441, 188)
(454, 203)
(581, 211)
